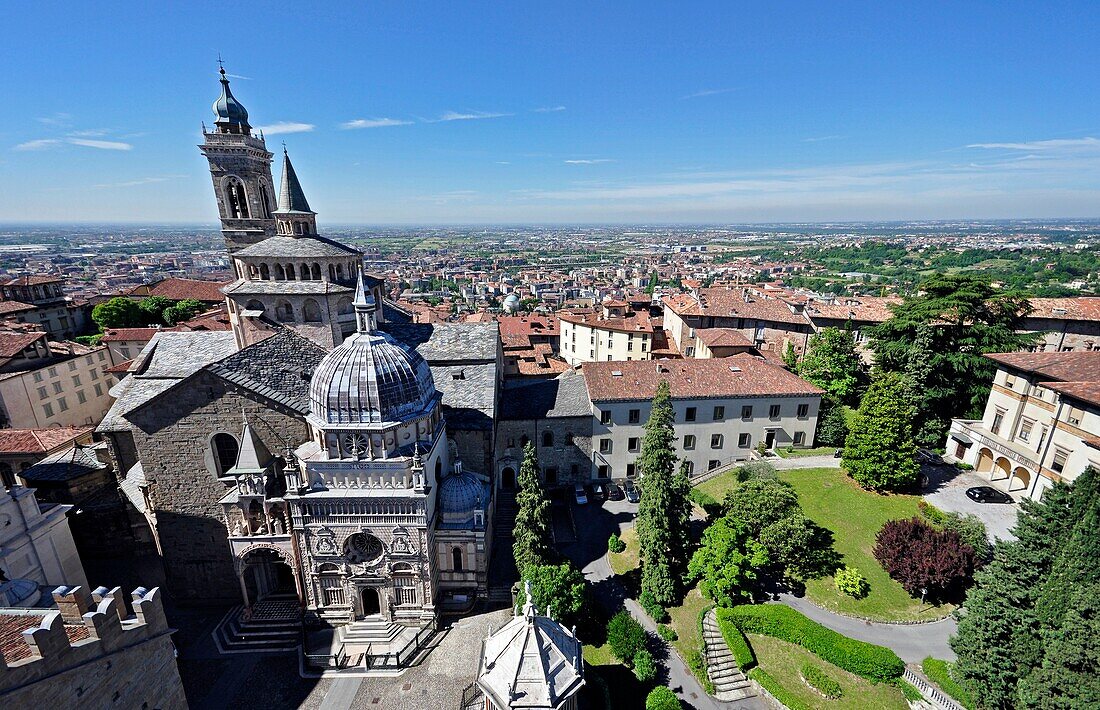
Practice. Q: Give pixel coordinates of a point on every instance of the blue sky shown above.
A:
(516, 112)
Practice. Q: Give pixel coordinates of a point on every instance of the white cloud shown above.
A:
(503, 162)
(818, 139)
(374, 123)
(286, 127)
(238, 76)
(468, 116)
(592, 161)
(101, 145)
(548, 109)
(139, 181)
(40, 144)
(58, 119)
(1047, 145)
(90, 133)
(706, 92)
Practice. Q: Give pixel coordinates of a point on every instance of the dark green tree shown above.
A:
(832, 424)
(662, 698)
(832, 363)
(180, 311)
(963, 316)
(1069, 676)
(532, 534)
(790, 357)
(727, 562)
(664, 510)
(759, 502)
(558, 590)
(152, 309)
(880, 452)
(119, 312)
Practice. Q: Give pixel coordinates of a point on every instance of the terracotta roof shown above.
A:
(121, 367)
(721, 301)
(117, 334)
(722, 337)
(11, 344)
(1085, 391)
(528, 325)
(33, 280)
(38, 441)
(12, 626)
(212, 320)
(869, 309)
(1074, 366)
(632, 323)
(1083, 308)
(7, 307)
(178, 289)
(737, 376)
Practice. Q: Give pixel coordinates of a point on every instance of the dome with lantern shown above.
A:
(370, 378)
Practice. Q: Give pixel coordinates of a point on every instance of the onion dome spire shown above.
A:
(231, 115)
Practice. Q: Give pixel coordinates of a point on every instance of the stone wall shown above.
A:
(173, 441)
(561, 463)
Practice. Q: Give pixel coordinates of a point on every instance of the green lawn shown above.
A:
(598, 655)
(834, 501)
(623, 562)
(716, 487)
(685, 620)
(784, 661)
(802, 453)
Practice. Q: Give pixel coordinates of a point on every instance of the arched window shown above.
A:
(236, 199)
(252, 273)
(284, 312)
(547, 438)
(344, 307)
(316, 274)
(311, 312)
(265, 273)
(456, 559)
(265, 204)
(298, 228)
(331, 272)
(339, 272)
(290, 272)
(303, 272)
(225, 449)
(254, 305)
(280, 273)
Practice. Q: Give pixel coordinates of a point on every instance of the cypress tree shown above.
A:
(532, 534)
(664, 509)
(879, 452)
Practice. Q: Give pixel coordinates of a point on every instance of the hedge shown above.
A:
(910, 691)
(739, 646)
(939, 672)
(875, 663)
(821, 682)
(778, 691)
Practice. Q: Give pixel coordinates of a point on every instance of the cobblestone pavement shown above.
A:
(947, 491)
(829, 461)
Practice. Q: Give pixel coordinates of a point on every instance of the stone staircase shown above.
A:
(729, 682)
(272, 625)
(502, 572)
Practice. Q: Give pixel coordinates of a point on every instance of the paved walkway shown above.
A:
(829, 461)
(913, 642)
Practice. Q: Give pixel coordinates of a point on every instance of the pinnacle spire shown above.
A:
(292, 198)
(365, 306)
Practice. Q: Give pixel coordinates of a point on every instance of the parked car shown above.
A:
(631, 492)
(987, 494)
(580, 495)
(614, 492)
(599, 491)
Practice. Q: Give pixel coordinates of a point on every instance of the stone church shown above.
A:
(325, 451)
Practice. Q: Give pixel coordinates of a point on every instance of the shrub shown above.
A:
(920, 558)
(762, 448)
(657, 612)
(875, 663)
(739, 646)
(778, 691)
(662, 698)
(759, 502)
(756, 469)
(698, 666)
(667, 632)
(939, 672)
(963, 466)
(705, 501)
(615, 544)
(909, 690)
(850, 581)
(645, 669)
(931, 512)
(625, 636)
(972, 531)
(821, 682)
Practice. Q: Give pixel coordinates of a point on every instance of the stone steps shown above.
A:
(729, 682)
(239, 635)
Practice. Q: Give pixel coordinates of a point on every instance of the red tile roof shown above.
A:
(528, 325)
(722, 337)
(722, 301)
(12, 626)
(178, 289)
(1085, 308)
(11, 344)
(8, 307)
(39, 441)
(33, 280)
(1074, 366)
(737, 376)
(1085, 391)
(869, 309)
(117, 334)
(631, 323)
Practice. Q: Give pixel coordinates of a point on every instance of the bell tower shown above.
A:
(240, 168)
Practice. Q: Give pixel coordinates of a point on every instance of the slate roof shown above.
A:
(247, 288)
(443, 343)
(1073, 366)
(294, 247)
(292, 198)
(278, 368)
(469, 402)
(737, 376)
(66, 465)
(563, 396)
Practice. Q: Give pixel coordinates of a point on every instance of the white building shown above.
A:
(36, 547)
(1041, 422)
(724, 408)
(51, 384)
(614, 334)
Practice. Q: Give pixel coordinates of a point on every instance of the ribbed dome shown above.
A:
(460, 494)
(228, 110)
(370, 379)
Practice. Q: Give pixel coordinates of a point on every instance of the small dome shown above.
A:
(19, 593)
(228, 110)
(371, 379)
(460, 494)
(511, 303)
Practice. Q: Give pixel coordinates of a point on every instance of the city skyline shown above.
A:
(432, 115)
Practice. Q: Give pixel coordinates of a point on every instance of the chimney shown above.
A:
(72, 602)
